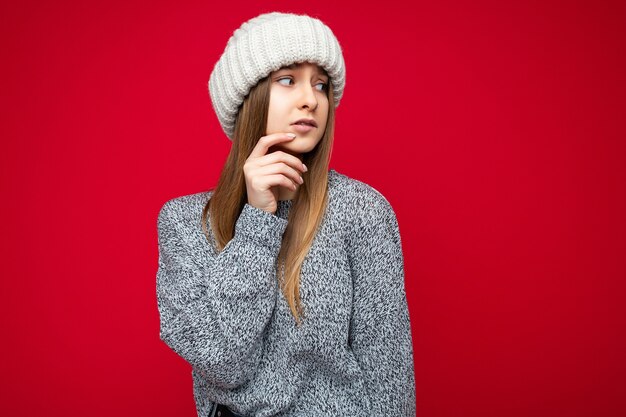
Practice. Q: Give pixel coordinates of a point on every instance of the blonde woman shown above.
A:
(283, 287)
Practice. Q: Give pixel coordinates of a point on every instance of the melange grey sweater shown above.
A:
(225, 314)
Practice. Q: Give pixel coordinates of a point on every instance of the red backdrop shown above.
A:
(495, 130)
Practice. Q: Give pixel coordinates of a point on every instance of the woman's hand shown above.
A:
(264, 172)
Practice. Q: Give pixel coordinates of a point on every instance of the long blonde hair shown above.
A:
(306, 213)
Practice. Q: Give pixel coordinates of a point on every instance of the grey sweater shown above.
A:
(226, 316)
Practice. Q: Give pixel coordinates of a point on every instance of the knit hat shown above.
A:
(267, 43)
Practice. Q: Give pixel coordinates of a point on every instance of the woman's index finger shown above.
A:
(268, 141)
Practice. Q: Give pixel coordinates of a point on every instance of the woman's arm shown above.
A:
(380, 330)
(213, 313)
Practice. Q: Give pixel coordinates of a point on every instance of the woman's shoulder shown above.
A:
(184, 208)
(366, 213)
(356, 196)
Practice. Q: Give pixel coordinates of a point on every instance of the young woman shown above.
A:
(283, 287)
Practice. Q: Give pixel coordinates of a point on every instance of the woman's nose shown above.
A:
(308, 98)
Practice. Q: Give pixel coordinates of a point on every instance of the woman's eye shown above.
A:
(324, 86)
(284, 79)
(288, 79)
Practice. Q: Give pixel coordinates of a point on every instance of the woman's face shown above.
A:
(298, 92)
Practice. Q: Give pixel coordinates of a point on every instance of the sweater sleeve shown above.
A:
(380, 330)
(214, 308)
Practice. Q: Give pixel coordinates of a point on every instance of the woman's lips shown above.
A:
(303, 128)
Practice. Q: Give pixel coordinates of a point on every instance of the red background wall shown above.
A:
(495, 129)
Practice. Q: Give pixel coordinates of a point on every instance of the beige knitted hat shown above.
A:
(264, 44)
